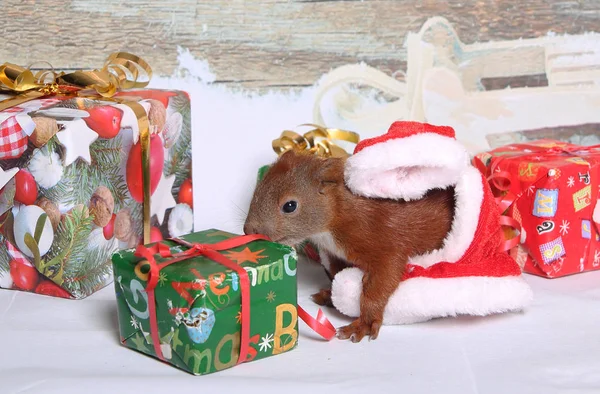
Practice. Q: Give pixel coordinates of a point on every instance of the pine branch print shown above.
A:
(72, 189)
(91, 274)
(80, 180)
(181, 152)
(54, 146)
(180, 103)
(106, 161)
(4, 256)
(68, 249)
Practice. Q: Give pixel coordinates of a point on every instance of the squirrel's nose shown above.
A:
(250, 229)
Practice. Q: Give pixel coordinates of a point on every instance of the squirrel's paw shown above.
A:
(358, 329)
(322, 298)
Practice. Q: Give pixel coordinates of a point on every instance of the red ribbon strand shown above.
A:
(504, 202)
(320, 325)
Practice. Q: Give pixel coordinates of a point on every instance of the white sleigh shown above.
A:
(443, 86)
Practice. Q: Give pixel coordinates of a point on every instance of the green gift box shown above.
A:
(210, 300)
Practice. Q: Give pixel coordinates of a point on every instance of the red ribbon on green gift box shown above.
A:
(321, 325)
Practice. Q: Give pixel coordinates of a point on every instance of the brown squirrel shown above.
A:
(304, 197)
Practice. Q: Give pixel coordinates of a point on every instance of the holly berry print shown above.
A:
(198, 304)
(71, 187)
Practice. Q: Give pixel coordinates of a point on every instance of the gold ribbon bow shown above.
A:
(318, 141)
(121, 71)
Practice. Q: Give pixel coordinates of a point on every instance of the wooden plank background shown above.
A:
(266, 43)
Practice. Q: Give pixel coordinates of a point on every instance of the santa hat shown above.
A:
(469, 274)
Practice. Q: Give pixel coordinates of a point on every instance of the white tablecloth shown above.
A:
(61, 346)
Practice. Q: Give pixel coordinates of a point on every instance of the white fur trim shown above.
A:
(422, 299)
(596, 214)
(468, 200)
(406, 168)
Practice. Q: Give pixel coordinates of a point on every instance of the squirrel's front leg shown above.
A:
(332, 265)
(379, 283)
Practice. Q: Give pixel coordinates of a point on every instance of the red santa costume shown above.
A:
(469, 274)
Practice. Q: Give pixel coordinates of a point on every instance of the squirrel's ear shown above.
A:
(287, 155)
(286, 160)
(330, 174)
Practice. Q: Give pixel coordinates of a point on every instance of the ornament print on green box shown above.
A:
(198, 304)
(71, 187)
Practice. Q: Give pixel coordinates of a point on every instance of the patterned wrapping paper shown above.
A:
(198, 303)
(71, 179)
(555, 186)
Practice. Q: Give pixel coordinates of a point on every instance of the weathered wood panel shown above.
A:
(266, 42)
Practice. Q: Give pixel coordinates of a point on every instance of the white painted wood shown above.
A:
(443, 85)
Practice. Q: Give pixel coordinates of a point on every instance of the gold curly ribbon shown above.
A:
(318, 141)
(121, 71)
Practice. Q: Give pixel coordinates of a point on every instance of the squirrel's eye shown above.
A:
(289, 206)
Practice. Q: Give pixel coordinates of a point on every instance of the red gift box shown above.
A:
(551, 189)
